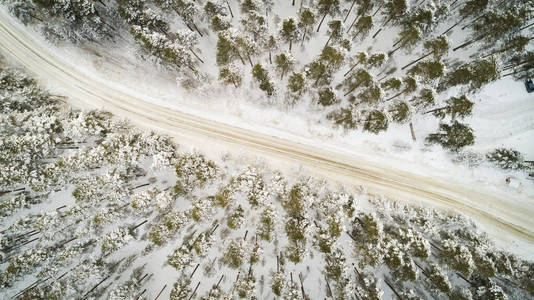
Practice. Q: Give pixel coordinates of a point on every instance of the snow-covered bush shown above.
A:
(115, 239)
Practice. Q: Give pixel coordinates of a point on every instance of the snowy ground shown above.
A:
(495, 120)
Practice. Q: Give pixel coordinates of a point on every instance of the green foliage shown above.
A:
(362, 27)
(235, 254)
(376, 60)
(392, 83)
(429, 70)
(236, 218)
(261, 75)
(296, 83)
(344, 117)
(475, 74)
(452, 137)
(267, 223)
(225, 50)
(220, 23)
(439, 47)
(284, 63)
(400, 112)
(328, 7)
(370, 95)
(230, 76)
(289, 32)
(335, 30)
(375, 122)
(327, 97)
(507, 159)
(456, 107)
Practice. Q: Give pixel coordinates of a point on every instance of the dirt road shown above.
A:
(508, 221)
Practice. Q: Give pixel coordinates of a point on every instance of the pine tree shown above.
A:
(271, 46)
(255, 25)
(296, 83)
(425, 99)
(231, 75)
(359, 58)
(284, 63)
(507, 159)
(327, 97)
(306, 20)
(437, 47)
(359, 78)
(362, 28)
(452, 137)
(335, 31)
(261, 75)
(393, 10)
(408, 38)
(327, 7)
(456, 107)
(376, 121)
(428, 70)
(400, 112)
(376, 60)
(288, 31)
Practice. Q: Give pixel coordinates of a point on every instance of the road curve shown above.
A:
(510, 222)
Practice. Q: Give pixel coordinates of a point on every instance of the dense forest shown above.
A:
(327, 53)
(91, 208)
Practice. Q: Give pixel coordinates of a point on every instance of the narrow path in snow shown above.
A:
(509, 221)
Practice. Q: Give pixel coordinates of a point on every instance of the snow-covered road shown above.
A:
(509, 221)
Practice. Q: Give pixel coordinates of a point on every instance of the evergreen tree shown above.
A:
(357, 79)
(400, 112)
(425, 99)
(359, 58)
(327, 97)
(362, 28)
(438, 47)
(284, 63)
(327, 7)
(296, 83)
(452, 137)
(459, 107)
(306, 20)
(288, 31)
(507, 159)
(477, 74)
(271, 46)
(376, 60)
(335, 31)
(428, 70)
(376, 121)
(408, 38)
(261, 75)
(231, 75)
